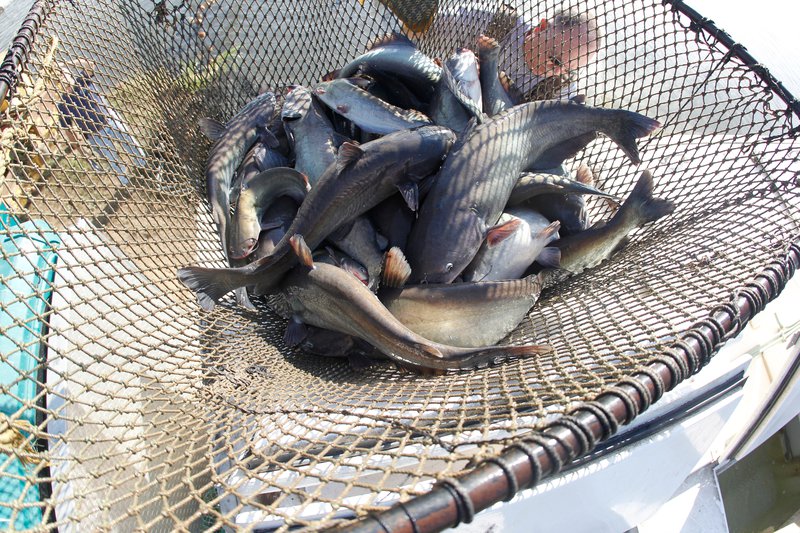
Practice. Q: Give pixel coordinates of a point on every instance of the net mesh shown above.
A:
(127, 407)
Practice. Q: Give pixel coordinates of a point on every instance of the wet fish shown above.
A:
(457, 96)
(495, 96)
(310, 132)
(360, 178)
(463, 314)
(369, 113)
(393, 219)
(227, 154)
(511, 247)
(257, 195)
(478, 175)
(259, 157)
(326, 343)
(275, 222)
(534, 184)
(361, 242)
(327, 297)
(568, 207)
(394, 59)
(591, 247)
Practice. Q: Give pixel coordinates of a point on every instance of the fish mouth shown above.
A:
(246, 248)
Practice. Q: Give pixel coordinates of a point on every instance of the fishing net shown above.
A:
(125, 406)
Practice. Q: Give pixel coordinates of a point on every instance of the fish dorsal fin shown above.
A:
(550, 232)
(501, 232)
(578, 99)
(301, 250)
(396, 269)
(211, 128)
(549, 257)
(268, 138)
(349, 152)
(391, 39)
(410, 193)
(360, 81)
(584, 175)
(332, 75)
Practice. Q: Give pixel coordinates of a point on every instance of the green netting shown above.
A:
(147, 413)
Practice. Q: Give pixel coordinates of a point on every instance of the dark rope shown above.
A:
(706, 348)
(607, 421)
(641, 388)
(410, 516)
(693, 360)
(466, 510)
(658, 383)
(582, 434)
(555, 459)
(631, 408)
(533, 457)
(732, 308)
(513, 486)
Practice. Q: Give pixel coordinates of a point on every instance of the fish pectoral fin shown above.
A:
(301, 249)
(396, 269)
(549, 257)
(410, 192)
(556, 155)
(213, 129)
(349, 152)
(296, 332)
(269, 139)
(360, 81)
(497, 234)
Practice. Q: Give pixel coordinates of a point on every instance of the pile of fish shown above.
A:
(406, 208)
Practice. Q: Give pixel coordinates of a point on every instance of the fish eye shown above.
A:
(448, 267)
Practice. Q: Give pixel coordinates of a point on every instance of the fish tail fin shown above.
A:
(483, 357)
(642, 205)
(629, 127)
(211, 284)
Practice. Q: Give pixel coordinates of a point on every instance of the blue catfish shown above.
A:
(310, 133)
(463, 314)
(326, 296)
(361, 177)
(238, 135)
(591, 247)
(476, 180)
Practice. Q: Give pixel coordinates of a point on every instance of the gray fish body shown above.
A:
(495, 97)
(346, 190)
(510, 258)
(277, 220)
(531, 184)
(460, 81)
(330, 298)
(310, 132)
(361, 243)
(569, 209)
(591, 247)
(327, 343)
(463, 314)
(476, 180)
(257, 195)
(226, 155)
(369, 113)
(259, 157)
(398, 60)
(394, 220)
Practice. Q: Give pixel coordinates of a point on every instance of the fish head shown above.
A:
(242, 249)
